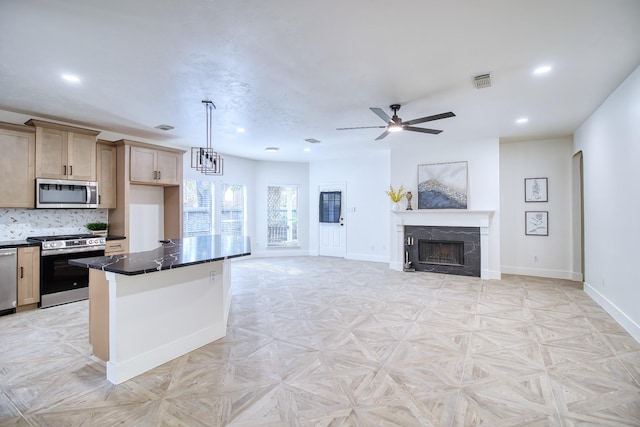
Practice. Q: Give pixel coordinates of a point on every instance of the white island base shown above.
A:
(156, 317)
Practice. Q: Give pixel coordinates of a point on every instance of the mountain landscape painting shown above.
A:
(442, 186)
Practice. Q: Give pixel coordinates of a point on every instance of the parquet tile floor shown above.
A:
(315, 341)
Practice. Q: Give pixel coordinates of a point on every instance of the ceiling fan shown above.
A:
(395, 123)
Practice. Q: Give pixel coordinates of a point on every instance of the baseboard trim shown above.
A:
(540, 272)
(625, 321)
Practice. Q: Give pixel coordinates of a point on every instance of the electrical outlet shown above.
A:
(212, 276)
(535, 258)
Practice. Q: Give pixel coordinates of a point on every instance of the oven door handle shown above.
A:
(72, 252)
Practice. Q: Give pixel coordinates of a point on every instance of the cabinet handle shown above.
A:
(158, 174)
(21, 272)
(70, 170)
(99, 199)
(65, 170)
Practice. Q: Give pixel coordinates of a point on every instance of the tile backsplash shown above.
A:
(18, 224)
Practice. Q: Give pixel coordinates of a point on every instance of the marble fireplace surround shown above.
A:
(441, 218)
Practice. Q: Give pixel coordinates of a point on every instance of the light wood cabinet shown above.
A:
(116, 247)
(106, 174)
(99, 303)
(17, 163)
(153, 166)
(64, 152)
(28, 275)
(136, 162)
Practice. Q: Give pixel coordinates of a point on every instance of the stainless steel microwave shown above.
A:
(61, 193)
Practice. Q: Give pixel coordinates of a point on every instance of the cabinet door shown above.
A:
(106, 174)
(51, 153)
(28, 275)
(143, 165)
(17, 164)
(168, 167)
(81, 157)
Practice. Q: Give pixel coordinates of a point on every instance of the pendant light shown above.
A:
(205, 159)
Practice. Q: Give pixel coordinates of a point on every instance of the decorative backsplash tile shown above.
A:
(18, 224)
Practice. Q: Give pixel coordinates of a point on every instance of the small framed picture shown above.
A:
(535, 190)
(536, 223)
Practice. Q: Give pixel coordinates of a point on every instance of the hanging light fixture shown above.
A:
(204, 159)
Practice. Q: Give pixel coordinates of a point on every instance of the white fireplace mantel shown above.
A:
(442, 218)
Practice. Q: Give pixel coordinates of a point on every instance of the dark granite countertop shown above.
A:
(8, 244)
(174, 253)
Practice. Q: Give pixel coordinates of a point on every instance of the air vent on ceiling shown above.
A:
(482, 81)
(312, 141)
(164, 127)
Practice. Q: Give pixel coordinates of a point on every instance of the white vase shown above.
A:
(395, 207)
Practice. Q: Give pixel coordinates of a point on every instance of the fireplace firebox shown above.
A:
(440, 252)
(448, 250)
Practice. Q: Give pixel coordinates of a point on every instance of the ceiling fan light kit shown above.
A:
(205, 159)
(395, 123)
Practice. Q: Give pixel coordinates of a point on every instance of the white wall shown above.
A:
(546, 256)
(610, 143)
(280, 173)
(368, 209)
(483, 177)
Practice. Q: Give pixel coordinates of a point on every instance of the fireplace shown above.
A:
(439, 249)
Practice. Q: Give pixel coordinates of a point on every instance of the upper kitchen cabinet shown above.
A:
(155, 166)
(64, 152)
(106, 174)
(17, 163)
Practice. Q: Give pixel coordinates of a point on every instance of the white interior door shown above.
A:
(332, 235)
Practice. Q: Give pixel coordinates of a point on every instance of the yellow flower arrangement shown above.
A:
(395, 196)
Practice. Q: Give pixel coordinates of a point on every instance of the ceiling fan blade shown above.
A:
(429, 118)
(415, 129)
(380, 113)
(363, 127)
(385, 133)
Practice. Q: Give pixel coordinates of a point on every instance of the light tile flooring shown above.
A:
(316, 341)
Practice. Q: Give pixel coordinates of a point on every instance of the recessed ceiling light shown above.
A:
(271, 149)
(164, 127)
(522, 120)
(542, 70)
(307, 149)
(312, 141)
(71, 78)
(240, 130)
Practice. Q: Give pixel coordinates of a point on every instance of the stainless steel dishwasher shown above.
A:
(8, 280)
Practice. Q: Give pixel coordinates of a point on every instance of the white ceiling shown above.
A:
(287, 70)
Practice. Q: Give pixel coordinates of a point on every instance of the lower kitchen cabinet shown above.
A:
(28, 275)
(99, 303)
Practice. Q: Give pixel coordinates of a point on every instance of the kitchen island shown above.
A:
(165, 302)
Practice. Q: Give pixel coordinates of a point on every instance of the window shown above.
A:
(198, 212)
(282, 215)
(330, 206)
(232, 212)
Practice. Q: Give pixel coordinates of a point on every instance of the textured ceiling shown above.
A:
(289, 70)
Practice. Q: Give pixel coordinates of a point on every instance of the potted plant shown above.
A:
(395, 196)
(99, 228)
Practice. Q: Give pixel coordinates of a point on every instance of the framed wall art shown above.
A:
(536, 223)
(442, 186)
(535, 190)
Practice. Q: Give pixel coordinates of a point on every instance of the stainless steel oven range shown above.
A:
(60, 282)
